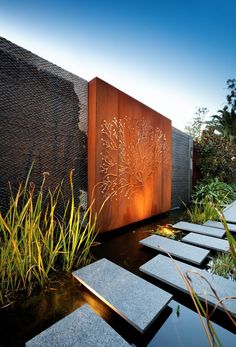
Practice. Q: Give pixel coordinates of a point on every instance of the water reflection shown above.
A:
(21, 322)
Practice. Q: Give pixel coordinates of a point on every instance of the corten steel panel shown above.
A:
(129, 157)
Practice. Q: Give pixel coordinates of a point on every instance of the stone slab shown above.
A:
(230, 217)
(134, 299)
(178, 249)
(207, 241)
(230, 212)
(230, 206)
(214, 224)
(200, 229)
(166, 270)
(82, 327)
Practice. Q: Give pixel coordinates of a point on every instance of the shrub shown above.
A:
(215, 191)
(216, 156)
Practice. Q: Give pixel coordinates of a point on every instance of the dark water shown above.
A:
(178, 325)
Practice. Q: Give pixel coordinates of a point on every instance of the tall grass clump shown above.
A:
(201, 212)
(35, 240)
(223, 265)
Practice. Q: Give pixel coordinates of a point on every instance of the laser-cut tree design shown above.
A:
(132, 151)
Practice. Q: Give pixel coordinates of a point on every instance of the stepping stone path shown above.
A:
(183, 251)
(211, 223)
(207, 241)
(83, 327)
(230, 213)
(136, 300)
(164, 269)
(200, 229)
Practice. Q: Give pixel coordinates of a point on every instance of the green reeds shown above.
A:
(35, 241)
(223, 265)
(78, 233)
(199, 213)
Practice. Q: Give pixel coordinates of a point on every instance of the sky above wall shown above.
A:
(173, 55)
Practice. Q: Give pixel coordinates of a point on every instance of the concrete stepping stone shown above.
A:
(230, 212)
(230, 206)
(214, 224)
(200, 229)
(165, 269)
(134, 299)
(82, 327)
(178, 249)
(230, 217)
(207, 241)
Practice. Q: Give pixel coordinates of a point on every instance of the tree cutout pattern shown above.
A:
(132, 150)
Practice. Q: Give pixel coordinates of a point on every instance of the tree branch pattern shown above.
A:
(132, 151)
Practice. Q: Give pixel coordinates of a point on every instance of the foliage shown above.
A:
(216, 156)
(35, 241)
(223, 265)
(231, 97)
(225, 123)
(195, 127)
(215, 139)
(199, 213)
(215, 191)
(233, 186)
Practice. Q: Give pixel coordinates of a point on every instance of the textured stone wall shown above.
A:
(43, 118)
(181, 167)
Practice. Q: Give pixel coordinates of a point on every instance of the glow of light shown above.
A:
(167, 231)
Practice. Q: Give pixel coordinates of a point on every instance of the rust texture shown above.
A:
(129, 158)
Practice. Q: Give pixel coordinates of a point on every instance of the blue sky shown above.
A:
(172, 55)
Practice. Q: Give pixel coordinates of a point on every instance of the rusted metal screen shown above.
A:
(129, 159)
